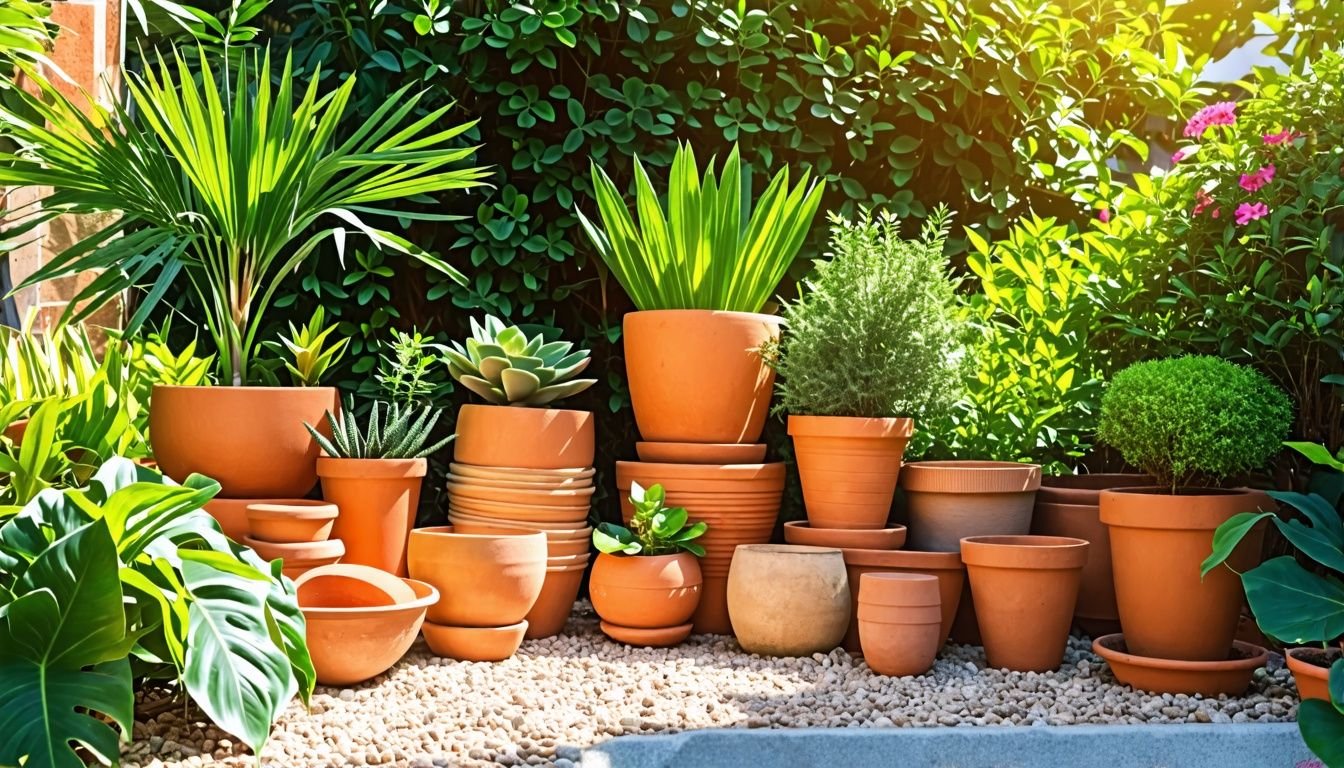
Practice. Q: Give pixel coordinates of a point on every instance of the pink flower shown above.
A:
(1254, 181)
(1282, 137)
(1181, 154)
(1104, 215)
(1216, 212)
(1202, 201)
(1222, 113)
(1248, 212)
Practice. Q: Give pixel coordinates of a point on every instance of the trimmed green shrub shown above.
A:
(1194, 418)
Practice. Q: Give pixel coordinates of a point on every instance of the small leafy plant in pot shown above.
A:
(646, 582)
(1188, 422)
(869, 345)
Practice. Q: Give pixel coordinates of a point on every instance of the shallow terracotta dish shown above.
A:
(662, 637)
(474, 643)
(299, 557)
(520, 474)
(701, 453)
(801, 532)
(292, 521)
(1209, 678)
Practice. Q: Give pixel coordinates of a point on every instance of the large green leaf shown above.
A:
(1294, 605)
(1322, 723)
(1229, 535)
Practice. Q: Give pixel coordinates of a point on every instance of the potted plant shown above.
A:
(1188, 422)
(867, 347)
(228, 231)
(646, 582)
(700, 268)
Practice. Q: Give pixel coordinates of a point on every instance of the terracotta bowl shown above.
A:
(554, 497)
(800, 532)
(701, 453)
(474, 643)
(355, 629)
(1209, 678)
(296, 520)
(662, 637)
(301, 556)
(486, 580)
(518, 474)
(556, 484)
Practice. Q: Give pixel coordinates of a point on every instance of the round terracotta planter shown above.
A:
(848, 467)
(900, 622)
(701, 453)
(946, 567)
(299, 557)
(249, 439)
(1025, 588)
(378, 499)
(1230, 676)
(947, 501)
(801, 532)
(645, 591)
(294, 520)
(1158, 542)
(1085, 489)
(559, 590)
(474, 643)
(1313, 679)
(356, 630)
(523, 438)
(787, 600)
(697, 376)
(485, 580)
(1095, 612)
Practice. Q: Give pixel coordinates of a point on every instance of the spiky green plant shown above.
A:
(401, 433)
(506, 367)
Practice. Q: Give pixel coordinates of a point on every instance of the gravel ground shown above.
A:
(563, 693)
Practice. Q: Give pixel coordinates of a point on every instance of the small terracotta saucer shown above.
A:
(1209, 678)
(474, 643)
(664, 637)
(802, 532)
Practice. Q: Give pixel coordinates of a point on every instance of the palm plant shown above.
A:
(234, 192)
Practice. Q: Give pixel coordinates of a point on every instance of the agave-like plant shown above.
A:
(506, 367)
(401, 433)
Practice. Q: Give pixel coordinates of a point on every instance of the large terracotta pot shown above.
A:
(645, 591)
(697, 376)
(378, 499)
(948, 501)
(1311, 670)
(249, 439)
(523, 438)
(900, 621)
(487, 580)
(944, 566)
(1025, 588)
(848, 467)
(788, 600)
(1095, 612)
(554, 604)
(1158, 542)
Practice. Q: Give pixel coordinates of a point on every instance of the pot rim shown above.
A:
(1256, 658)
(970, 477)
(1314, 670)
(294, 509)
(555, 412)
(504, 630)
(1046, 552)
(926, 561)
(447, 531)
(766, 470)
(773, 319)
(855, 427)
(233, 388)
(565, 473)
(370, 469)
(419, 604)
(551, 493)
(1158, 513)
(327, 548)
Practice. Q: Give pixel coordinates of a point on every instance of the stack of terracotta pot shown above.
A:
(521, 470)
(296, 532)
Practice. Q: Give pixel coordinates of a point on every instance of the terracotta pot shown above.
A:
(801, 532)
(702, 478)
(1085, 489)
(578, 476)
(787, 600)
(486, 580)
(711, 616)
(701, 453)
(965, 630)
(231, 514)
(1025, 589)
(293, 520)
(900, 622)
(1158, 542)
(299, 557)
(356, 585)
(697, 376)
(16, 430)
(525, 438)
(948, 501)
(478, 521)
(249, 439)
(662, 637)
(563, 548)
(1228, 677)
(946, 567)
(645, 591)
(848, 467)
(556, 601)
(474, 643)
(378, 499)
(1311, 670)
(545, 499)
(356, 632)
(1096, 594)
(570, 517)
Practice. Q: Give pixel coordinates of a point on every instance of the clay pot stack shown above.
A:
(295, 531)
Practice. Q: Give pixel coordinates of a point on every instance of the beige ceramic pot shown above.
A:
(788, 600)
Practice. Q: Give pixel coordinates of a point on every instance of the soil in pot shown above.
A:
(848, 467)
(787, 600)
(1229, 676)
(801, 532)
(1311, 670)
(946, 567)
(378, 499)
(645, 591)
(294, 520)
(947, 501)
(486, 580)
(524, 438)
(474, 643)
(900, 622)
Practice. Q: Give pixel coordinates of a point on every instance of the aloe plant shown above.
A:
(507, 367)
(399, 433)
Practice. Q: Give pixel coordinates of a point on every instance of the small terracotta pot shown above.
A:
(946, 567)
(697, 376)
(249, 439)
(293, 520)
(486, 580)
(578, 476)
(701, 453)
(356, 631)
(299, 557)
(948, 501)
(1085, 489)
(231, 514)
(474, 643)
(900, 622)
(801, 532)
(1025, 589)
(559, 590)
(1227, 677)
(645, 591)
(787, 600)
(1158, 542)
(1313, 679)
(524, 438)
(1096, 594)
(378, 499)
(662, 637)
(848, 467)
